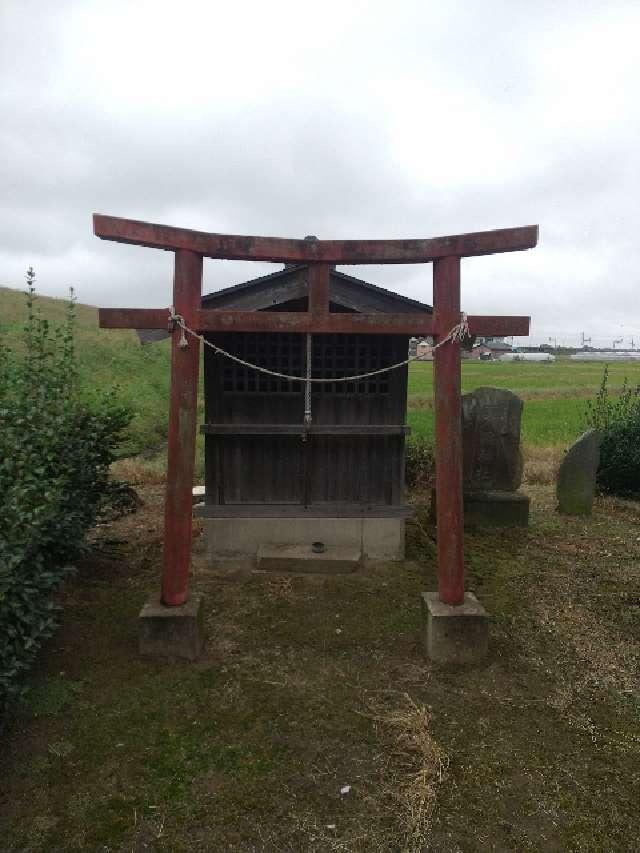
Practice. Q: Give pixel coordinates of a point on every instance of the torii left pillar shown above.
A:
(170, 624)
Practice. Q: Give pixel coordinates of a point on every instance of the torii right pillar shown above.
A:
(455, 624)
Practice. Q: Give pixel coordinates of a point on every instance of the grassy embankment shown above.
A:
(107, 358)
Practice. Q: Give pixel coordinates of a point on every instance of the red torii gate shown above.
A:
(190, 247)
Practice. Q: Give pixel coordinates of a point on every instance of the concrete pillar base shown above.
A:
(454, 634)
(171, 633)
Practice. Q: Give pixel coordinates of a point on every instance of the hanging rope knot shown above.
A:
(461, 331)
(178, 320)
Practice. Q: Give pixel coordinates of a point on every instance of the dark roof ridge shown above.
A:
(383, 291)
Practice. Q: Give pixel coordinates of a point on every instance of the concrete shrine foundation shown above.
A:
(363, 538)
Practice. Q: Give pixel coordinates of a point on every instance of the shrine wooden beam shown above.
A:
(133, 318)
(210, 320)
(277, 249)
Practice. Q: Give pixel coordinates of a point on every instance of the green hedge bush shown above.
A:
(56, 446)
(618, 421)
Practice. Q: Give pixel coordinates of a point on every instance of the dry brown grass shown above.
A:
(416, 764)
(541, 464)
(141, 472)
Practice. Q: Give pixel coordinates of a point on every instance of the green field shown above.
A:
(555, 394)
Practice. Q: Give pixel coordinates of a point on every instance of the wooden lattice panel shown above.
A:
(336, 356)
(281, 353)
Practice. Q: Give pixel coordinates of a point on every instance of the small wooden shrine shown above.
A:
(292, 464)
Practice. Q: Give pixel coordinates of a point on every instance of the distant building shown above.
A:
(488, 348)
(424, 349)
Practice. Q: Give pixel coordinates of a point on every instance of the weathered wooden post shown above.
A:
(169, 626)
(455, 626)
(446, 304)
(181, 445)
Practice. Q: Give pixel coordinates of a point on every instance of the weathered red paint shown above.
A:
(185, 365)
(211, 320)
(133, 318)
(319, 291)
(248, 248)
(495, 325)
(449, 508)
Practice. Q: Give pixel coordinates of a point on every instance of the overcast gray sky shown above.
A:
(340, 119)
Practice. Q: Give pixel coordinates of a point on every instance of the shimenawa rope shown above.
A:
(457, 333)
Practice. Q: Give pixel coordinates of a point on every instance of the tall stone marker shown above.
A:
(492, 460)
(577, 475)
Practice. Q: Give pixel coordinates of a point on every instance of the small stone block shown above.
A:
(171, 632)
(496, 509)
(454, 634)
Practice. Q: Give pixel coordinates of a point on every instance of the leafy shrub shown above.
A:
(55, 450)
(419, 464)
(618, 421)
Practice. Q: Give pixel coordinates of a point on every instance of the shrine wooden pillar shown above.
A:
(181, 448)
(449, 507)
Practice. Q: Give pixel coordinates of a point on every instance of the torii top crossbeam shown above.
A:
(191, 246)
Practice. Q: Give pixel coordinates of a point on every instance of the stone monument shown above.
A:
(492, 459)
(577, 475)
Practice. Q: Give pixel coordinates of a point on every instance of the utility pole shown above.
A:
(585, 340)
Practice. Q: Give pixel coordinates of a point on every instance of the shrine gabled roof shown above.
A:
(289, 284)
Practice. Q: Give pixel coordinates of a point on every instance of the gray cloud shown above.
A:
(346, 120)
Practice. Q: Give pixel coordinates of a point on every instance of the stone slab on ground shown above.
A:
(454, 634)
(300, 558)
(496, 509)
(576, 484)
(491, 509)
(171, 633)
